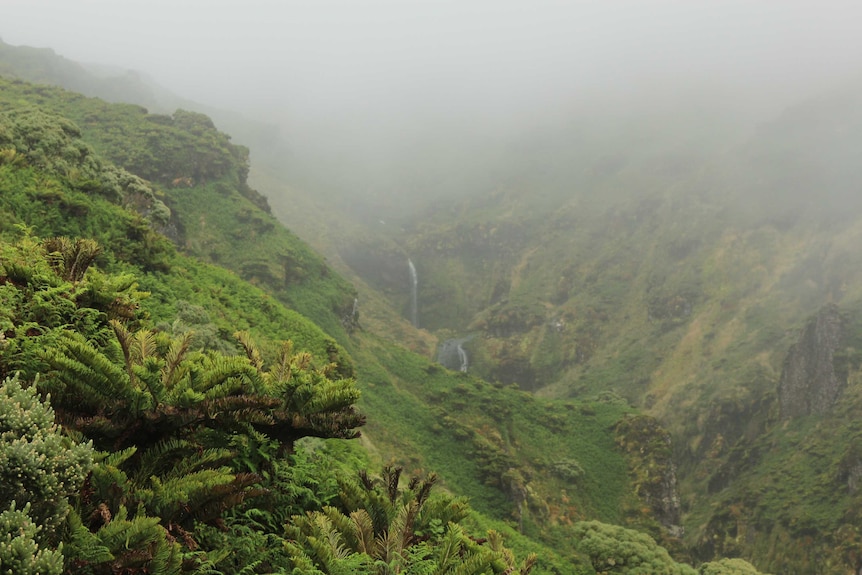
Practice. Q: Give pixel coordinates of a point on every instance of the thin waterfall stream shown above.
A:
(452, 354)
(414, 294)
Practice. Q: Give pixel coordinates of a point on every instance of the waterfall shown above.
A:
(414, 294)
(452, 354)
(462, 355)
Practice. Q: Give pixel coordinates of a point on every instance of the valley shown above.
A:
(647, 326)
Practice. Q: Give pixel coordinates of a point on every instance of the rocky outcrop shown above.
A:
(452, 354)
(649, 451)
(809, 381)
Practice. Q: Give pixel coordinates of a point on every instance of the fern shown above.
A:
(139, 544)
(380, 533)
(81, 545)
(70, 259)
(475, 564)
(363, 530)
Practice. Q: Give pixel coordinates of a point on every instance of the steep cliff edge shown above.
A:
(809, 383)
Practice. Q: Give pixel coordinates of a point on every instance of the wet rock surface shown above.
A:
(809, 383)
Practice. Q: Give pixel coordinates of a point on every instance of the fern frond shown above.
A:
(528, 564)
(330, 396)
(116, 458)
(82, 546)
(88, 371)
(363, 529)
(475, 564)
(302, 562)
(217, 369)
(143, 345)
(124, 337)
(167, 559)
(240, 408)
(122, 533)
(450, 548)
(173, 360)
(70, 259)
(281, 370)
(248, 345)
(198, 461)
(156, 460)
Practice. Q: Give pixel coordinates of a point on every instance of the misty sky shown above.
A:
(325, 58)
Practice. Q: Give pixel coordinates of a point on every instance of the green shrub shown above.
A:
(39, 467)
(19, 552)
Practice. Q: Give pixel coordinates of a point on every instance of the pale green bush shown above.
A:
(39, 466)
(19, 552)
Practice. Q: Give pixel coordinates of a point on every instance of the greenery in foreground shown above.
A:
(647, 254)
(168, 447)
(188, 435)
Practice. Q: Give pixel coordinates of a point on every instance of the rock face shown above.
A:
(809, 383)
(452, 355)
(651, 468)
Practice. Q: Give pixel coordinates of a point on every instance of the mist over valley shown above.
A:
(593, 267)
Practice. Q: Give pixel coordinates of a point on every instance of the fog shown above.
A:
(320, 57)
(367, 81)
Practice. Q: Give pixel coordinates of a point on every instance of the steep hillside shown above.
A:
(190, 161)
(45, 66)
(200, 468)
(533, 467)
(642, 292)
(319, 219)
(681, 282)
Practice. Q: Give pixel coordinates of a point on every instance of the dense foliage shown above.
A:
(619, 256)
(209, 425)
(194, 435)
(191, 163)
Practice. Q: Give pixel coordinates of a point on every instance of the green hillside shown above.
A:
(630, 311)
(194, 422)
(680, 283)
(136, 287)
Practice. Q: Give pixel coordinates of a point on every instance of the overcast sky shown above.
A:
(320, 57)
(389, 96)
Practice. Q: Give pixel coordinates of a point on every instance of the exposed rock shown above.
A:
(850, 469)
(854, 477)
(511, 368)
(809, 383)
(452, 354)
(649, 450)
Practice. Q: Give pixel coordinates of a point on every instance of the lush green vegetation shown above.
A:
(191, 162)
(203, 420)
(679, 282)
(187, 438)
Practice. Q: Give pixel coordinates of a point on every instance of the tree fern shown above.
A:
(71, 258)
(138, 545)
(378, 523)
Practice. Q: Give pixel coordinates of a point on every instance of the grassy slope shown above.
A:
(243, 236)
(456, 436)
(231, 303)
(676, 275)
(683, 297)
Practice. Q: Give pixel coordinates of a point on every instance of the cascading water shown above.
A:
(462, 355)
(452, 354)
(414, 294)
